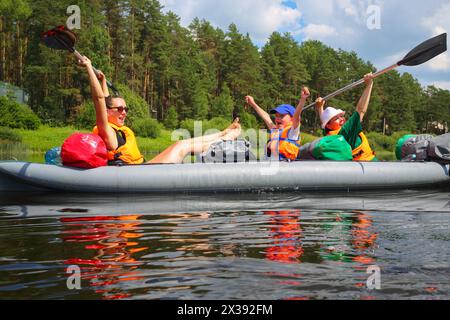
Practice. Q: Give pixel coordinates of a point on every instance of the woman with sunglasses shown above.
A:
(120, 140)
(334, 122)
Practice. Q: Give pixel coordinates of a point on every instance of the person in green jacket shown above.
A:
(334, 123)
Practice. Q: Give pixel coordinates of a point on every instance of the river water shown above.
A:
(253, 246)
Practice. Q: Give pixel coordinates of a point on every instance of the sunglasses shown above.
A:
(120, 109)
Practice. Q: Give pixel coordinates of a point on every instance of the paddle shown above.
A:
(60, 38)
(422, 53)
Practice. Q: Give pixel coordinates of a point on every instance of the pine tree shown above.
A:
(194, 72)
(223, 105)
(200, 104)
(171, 121)
(242, 71)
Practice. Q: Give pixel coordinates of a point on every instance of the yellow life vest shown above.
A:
(287, 149)
(128, 152)
(361, 153)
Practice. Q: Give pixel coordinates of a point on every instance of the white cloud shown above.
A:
(345, 21)
(318, 31)
(352, 9)
(441, 84)
(331, 21)
(440, 63)
(403, 26)
(337, 23)
(259, 18)
(439, 23)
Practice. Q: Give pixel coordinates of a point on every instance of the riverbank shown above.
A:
(47, 137)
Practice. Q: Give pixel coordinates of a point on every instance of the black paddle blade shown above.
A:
(425, 51)
(59, 38)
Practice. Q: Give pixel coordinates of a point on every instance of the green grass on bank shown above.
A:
(45, 138)
(147, 145)
(385, 155)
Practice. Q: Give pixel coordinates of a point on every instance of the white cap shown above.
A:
(328, 114)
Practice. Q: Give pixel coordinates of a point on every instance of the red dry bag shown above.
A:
(84, 150)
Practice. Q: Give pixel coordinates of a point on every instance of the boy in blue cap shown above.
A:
(284, 142)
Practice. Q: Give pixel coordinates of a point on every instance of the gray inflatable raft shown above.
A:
(224, 177)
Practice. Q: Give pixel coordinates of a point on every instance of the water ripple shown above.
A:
(283, 253)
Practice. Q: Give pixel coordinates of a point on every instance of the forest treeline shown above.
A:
(173, 73)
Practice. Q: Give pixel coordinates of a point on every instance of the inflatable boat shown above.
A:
(224, 177)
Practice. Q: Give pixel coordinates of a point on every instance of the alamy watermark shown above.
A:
(74, 279)
(74, 20)
(257, 139)
(373, 15)
(374, 280)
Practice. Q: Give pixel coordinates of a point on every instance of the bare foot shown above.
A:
(234, 125)
(233, 131)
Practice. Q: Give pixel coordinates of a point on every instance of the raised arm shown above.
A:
(102, 78)
(263, 114)
(363, 103)
(105, 131)
(320, 103)
(298, 111)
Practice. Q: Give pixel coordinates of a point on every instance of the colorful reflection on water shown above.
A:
(296, 254)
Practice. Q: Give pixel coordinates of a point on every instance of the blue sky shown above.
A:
(337, 23)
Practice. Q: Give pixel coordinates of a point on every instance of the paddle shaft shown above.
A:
(352, 85)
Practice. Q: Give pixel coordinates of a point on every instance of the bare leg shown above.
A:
(230, 133)
(180, 149)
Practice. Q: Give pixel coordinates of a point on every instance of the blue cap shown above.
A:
(284, 109)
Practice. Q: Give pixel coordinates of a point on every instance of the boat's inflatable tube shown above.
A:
(227, 177)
